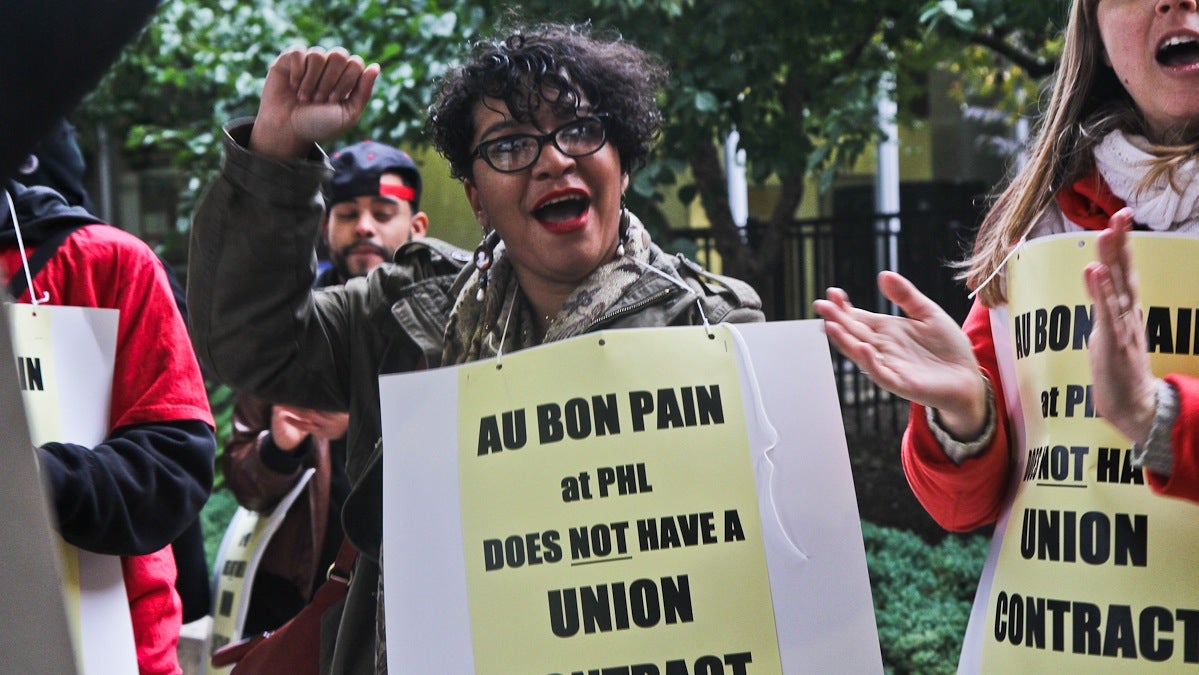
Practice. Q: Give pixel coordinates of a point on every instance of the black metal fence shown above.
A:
(848, 252)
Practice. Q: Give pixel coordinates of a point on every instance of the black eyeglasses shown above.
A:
(517, 152)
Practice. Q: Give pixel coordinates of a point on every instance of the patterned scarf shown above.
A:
(503, 321)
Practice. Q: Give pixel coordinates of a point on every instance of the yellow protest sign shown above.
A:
(646, 501)
(626, 492)
(1091, 569)
(37, 371)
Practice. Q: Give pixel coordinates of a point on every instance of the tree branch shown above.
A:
(1033, 65)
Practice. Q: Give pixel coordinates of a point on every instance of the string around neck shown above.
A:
(702, 315)
(1002, 264)
(499, 352)
(16, 226)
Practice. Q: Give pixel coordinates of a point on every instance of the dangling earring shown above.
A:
(483, 260)
(623, 233)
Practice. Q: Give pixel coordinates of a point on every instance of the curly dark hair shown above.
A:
(555, 65)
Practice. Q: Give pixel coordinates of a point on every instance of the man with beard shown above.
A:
(373, 209)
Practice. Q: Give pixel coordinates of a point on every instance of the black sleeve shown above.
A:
(135, 492)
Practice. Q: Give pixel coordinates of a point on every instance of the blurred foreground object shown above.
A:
(52, 53)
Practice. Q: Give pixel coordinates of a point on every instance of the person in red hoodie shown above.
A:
(134, 493)
(1116, 150)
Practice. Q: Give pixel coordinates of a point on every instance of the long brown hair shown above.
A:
(1086, 102)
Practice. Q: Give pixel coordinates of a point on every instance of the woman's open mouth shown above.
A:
(1180, 51)
(563, 211)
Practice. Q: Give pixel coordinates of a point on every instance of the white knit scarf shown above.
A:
(1123, 161)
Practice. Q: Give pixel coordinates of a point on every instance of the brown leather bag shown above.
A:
(293, 648)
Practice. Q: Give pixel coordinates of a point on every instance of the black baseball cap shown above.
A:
(357, 168)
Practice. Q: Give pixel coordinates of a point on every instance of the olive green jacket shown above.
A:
(258, 326)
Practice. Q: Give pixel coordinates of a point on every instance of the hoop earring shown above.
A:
(623, 233)
(484, 256)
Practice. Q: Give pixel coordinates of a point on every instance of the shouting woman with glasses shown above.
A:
(544, 129)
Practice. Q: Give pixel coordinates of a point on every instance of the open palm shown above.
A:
(923, 356)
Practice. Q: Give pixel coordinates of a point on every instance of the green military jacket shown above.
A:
(258, 326)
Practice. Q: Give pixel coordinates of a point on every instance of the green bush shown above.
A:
(922, 596)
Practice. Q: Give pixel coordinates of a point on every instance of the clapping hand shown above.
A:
(923, 356)
(1125, 388)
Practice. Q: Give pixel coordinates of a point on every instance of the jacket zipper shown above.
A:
(653, 299)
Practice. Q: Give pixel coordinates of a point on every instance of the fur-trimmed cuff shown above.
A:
(957, 449)
(1157, 455)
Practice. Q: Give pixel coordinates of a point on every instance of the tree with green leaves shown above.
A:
(1003, 52)
(797, 80)
(201, 63)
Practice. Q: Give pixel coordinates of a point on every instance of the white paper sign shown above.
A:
(245, 541)
(64, 358)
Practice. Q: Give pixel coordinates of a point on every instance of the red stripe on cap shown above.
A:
(398, 191)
